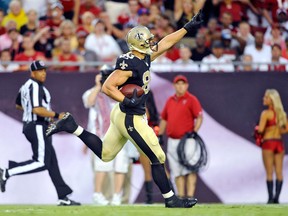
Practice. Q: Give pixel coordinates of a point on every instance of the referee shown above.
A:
(34, 99)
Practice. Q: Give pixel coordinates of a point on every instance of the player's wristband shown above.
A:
(56, 115)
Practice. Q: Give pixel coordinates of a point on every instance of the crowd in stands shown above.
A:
(253, 32)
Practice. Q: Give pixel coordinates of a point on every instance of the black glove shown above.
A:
(161, 140)
(134, 100)
(195, 21)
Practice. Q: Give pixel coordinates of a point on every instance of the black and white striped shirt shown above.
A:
(31, 95)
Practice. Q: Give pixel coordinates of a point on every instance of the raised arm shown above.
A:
(171, 39)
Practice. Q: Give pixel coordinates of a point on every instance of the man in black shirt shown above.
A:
(200, 51)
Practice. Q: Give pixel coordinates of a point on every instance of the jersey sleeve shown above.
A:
(125, 62)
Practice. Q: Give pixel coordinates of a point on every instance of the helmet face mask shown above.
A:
(140, 39)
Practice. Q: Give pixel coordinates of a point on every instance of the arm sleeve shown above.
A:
(196, 107)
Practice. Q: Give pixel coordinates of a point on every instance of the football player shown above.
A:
(128, 120)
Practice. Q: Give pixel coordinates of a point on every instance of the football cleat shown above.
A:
(2, 181)
(67, 202)
(67, 123)
(175, 202)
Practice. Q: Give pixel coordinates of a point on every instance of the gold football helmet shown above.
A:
(140, 39)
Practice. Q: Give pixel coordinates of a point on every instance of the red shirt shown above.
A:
(180, 114)
(68, 5)
(93, 9)
(23, 57)
(173, 53)
(72, 58)
(235, 10)
(272, 6)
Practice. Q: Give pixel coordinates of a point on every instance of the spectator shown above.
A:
(29, 53)
(100, 106)
(163, 26)
(273, 36)
(67, 31)
(200, 51)
(255, 16)
(278, 62)
(11, 39)
(155, 11)
(216, 61)
(41, 6)
(71, 10)
(32, 24)
(5, 56)
(244, 32)
(233, 8)
(260, 52)
(115, 7)
(273, 122)
(128, 16)
(232, 44)
(56, 19)
(66, 55)
(44, 42)
(182, 114)
(212, 28)
(246, 64)
(16, 13)
(143, 17)
(103, 44)
(89, 6)
(2, 28)
(226, 20)
(185, 64)
(86, 20)
(270, 11)
(87, 54)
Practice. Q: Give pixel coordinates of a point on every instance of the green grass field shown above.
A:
(142, 210)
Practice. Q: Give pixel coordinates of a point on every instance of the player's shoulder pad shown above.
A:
(125, 62)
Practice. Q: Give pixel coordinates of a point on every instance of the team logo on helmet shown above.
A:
(140, 39)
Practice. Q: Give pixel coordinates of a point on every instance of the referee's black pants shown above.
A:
(43, 158)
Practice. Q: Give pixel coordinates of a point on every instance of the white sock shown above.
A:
(4, 174)
(78, 131)
(168, 195)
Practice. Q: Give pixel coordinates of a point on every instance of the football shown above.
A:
(127, 90)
